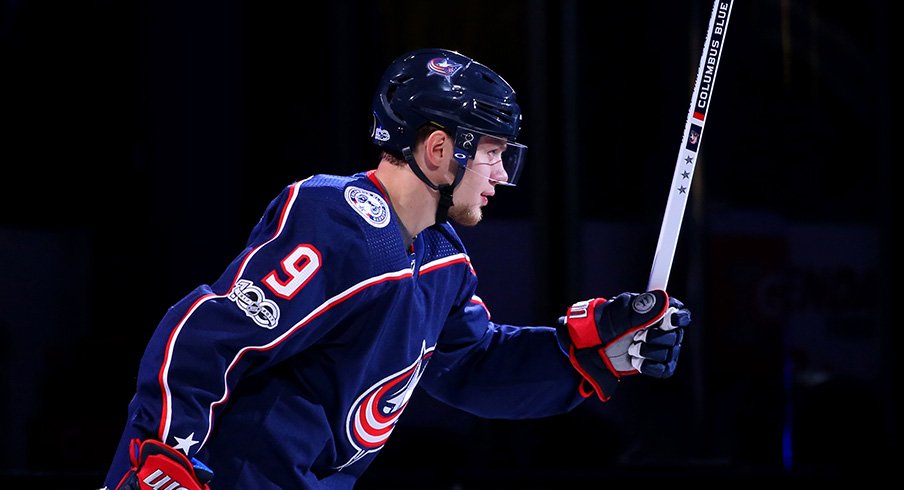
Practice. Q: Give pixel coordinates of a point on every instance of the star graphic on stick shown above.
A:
(681, 190)
(185, 443)
(688, 160)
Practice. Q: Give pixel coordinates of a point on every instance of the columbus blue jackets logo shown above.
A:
(375, 413)
(370, 205)
(693, 137)
(443, 67)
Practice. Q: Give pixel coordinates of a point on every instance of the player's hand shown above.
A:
(631, 333)
(156, 466)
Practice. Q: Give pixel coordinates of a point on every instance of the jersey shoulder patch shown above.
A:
(357, 192)
(370, 205)
(350, 213)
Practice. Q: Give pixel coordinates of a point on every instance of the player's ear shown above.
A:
(436, 149)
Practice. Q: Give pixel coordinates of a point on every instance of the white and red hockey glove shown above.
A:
(631, 333)
(156, 466)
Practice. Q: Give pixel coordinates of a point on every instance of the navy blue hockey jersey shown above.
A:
(291, 370)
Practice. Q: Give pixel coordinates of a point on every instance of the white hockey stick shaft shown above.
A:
(690, 144)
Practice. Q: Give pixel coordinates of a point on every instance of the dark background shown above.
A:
(141, 141)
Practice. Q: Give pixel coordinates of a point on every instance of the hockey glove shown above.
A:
(156, 466)
(631, 333)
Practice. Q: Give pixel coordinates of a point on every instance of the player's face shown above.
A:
(479, 182)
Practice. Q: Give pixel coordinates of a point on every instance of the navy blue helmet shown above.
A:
(443, 88)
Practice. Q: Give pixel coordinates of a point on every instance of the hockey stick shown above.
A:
(690, 145)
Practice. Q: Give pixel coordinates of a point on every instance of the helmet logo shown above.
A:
(443, 67)
(381, 134)
(468, 141)
(378, 133)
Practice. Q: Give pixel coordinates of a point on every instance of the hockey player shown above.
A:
(291, 370)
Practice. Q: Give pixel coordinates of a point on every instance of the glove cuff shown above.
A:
(158, 466)
(597, 376)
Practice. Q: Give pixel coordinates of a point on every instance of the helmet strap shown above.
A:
(445, 190)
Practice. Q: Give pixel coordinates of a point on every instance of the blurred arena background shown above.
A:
(141, 140)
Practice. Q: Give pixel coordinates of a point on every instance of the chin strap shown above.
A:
(445, 190)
